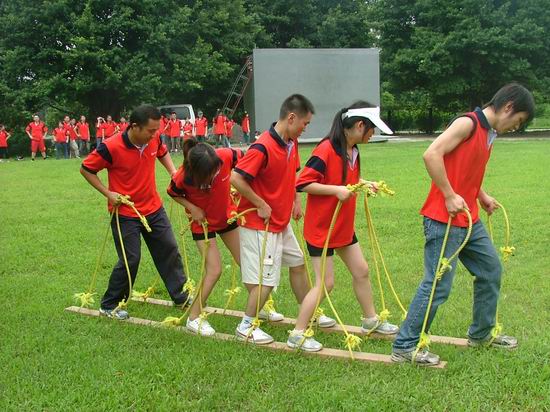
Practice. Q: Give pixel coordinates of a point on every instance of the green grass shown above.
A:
(51, 227)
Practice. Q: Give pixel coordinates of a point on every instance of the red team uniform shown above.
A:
(37, 131)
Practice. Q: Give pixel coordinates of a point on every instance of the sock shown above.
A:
(297, 332)
(246, 322)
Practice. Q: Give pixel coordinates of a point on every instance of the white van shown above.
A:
(183, 111)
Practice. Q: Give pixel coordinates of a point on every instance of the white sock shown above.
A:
(246, 322)
(298, 332)
(373, 319)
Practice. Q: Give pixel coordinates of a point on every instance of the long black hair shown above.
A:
(337, 136)
(200, 162)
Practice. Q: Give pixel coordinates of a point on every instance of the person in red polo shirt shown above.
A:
(202, 186)
(201, 127)
(122, 125)
(99, 131)
(219, 128)
(187, 130)
(456, 162)
(83, 130)
(130, 160)
(110, 127)
(4, 137)
(73, 134)
(265, 178)
(61, 139)
(245, 124)
(228, 132)
(173, 128)
(334, 164)
(36, 130)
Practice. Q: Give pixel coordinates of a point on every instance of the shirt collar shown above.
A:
(273, 133)
(482, 118)
(338, 149)
(127, 141)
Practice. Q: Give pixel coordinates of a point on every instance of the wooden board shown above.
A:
(356, 330)
(277, 346)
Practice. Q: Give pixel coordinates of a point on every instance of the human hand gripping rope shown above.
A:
(87, 298)
(443, 266)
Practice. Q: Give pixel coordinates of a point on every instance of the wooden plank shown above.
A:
(356, 330)
(277, 346)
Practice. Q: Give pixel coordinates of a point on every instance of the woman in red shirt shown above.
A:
(334, 164)
(202, 186)
(4, 136)
(61, 138)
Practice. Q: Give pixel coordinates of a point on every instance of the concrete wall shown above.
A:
(330, 78)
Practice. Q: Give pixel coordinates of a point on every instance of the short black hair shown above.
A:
(298, 104)
(141, 115)
(522, 99)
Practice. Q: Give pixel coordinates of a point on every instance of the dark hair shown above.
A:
(337, 136)
(141, 115)
(296, 104)
(522, 100)
(200, 161)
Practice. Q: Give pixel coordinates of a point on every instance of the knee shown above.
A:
(329, 283)
(362, 273)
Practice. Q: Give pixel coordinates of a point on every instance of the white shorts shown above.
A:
(282, 249)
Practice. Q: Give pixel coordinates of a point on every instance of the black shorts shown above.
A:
(315, 251)
(211, 235)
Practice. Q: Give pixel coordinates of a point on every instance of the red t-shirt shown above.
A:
(37, 130)
(110, 128)
(3, 138)
(100, 130)
(245, 124)
(188, 130)
(270, 166)
(201, 124)
(174, 128)
(215, 201)
(325, 167)
(229, 128)
(60, 135)
(130, 171)
(219, 124)
(122, 126)
(465, 167)
(72, 131)
(83, 130)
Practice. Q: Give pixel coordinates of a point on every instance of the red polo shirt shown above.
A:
(37, 130)
(246, 124)
(325, 167)
(229, 128)
(465, 168)
(187, 130)
(83, 130)
(131, 171)
(100, 130)
(174, 128)
(60, 135)
(72, 131)
(201, 124)
(219, 124)
(122, 126)
(110, 128)
(215, 201)
(3, 138)
(270, 166)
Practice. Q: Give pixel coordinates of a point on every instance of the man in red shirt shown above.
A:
(4, 137)
(228, 132)
(219, 127)
(456, 162)
(130, 160)
(61, 138)
(187, 129)
(174, 132)
(201, 127)
(99, 131)
(265, 178)
(36, 130)
(245, 124)
(83, 131)
(122, 125)
(110, 127)
(73, 134)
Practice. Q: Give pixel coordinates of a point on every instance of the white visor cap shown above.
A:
(371, 113)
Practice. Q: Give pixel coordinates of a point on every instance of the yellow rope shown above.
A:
(443, 265)
(240, 216)
(507, 251)
(124, 302)
(234, 290)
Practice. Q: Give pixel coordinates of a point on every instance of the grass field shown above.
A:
(51, 226)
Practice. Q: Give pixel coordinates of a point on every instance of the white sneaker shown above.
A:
(257, 336)
(384, 328)
(297, 341)
(326, 322)
(199, 327)
(272, 316)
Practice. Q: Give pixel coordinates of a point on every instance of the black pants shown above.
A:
(164, 251)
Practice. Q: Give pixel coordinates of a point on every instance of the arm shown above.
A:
(341, 192)
(28, 133)
(488, 203)
(197, 214)
(95, 182)
(433, 159)
(166, 161)
(240, 183)
(297, 207)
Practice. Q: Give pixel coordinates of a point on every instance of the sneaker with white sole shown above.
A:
(296, 340)
(374, 325)
(500, 341)
(114, 313)
(257, 336)
(200, 327)
(326, 322)
(272, 316)
(422, 358)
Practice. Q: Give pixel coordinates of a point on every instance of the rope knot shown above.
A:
(424, 341)
(189, 287)
(269, 305)
(232, 292)
(384, 316)
(86, 299)
(352, 341)
(171, 321)
(507, 252)
(256, 323)
(445, 267)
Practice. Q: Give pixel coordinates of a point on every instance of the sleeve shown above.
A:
(28, 128)
(236, 155)
(251, 163)
(45, 129)
(176, 188)
(313, 172)
(98, 160)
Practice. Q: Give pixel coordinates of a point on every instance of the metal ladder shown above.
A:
(241, 83)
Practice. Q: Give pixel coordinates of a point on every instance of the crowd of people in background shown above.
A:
(72, 138)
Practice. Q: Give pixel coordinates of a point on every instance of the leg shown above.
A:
(232, 243)
(118, 287)
(481, 259)
(164, 251)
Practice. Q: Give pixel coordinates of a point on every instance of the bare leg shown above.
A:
(299, 282)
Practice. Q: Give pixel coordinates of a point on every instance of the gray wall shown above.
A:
(330, 78)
